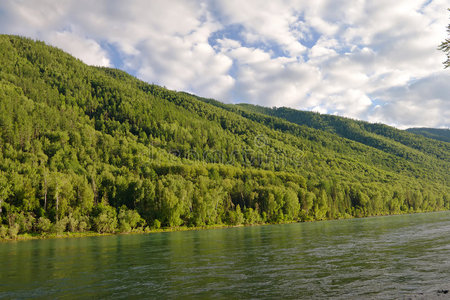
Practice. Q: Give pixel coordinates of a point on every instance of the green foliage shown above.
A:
(60, 226)
(3, 231)
(85, 148)
(5, 190)
(235, 217)
(13, 230)
(43, 225)
(252, 216)
(106, 219)
(156, 224)
(24, 221)
(445, 47)
(129, 219)
(439, 134)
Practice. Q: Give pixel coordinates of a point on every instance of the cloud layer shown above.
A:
(371, 60)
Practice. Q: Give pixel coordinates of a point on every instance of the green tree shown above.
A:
(5, 190)
(236, 217)
(129, 219)
(106, 219)
(321, 206)
(445, 47)
(43, 225)
(84, 196)
(291, 206)
(175, 196)
(308, 201)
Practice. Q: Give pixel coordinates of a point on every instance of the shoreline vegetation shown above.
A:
(36, 236)
(147, 230)
(90, 150)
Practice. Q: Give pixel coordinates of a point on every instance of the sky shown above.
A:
(371, 60)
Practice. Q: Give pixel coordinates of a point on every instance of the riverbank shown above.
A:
(38, 236)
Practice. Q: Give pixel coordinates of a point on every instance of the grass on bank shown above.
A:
(148, 230)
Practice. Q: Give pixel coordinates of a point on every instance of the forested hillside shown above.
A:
(432, 133)
(94, 149)
(380, 136)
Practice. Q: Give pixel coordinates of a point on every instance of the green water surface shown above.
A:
(383, 257)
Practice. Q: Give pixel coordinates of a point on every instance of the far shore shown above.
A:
(38, 236)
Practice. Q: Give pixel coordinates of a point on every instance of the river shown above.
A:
(382, 257)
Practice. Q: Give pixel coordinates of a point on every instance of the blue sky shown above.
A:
(371, 60)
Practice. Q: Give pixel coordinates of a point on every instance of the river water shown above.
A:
(384, 257)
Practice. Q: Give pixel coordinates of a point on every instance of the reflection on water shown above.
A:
(383, 257)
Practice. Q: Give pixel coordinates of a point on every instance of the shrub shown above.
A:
(236, 217)
(72, 223)
(25, 221)
(157, 224)
(106, 220)
(60, 226)
(83, 224)
(13, 231)
(128, 219)
(43, 225)
(252, 216)
(3, 231)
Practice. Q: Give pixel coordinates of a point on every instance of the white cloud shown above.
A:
(268, 81)
(421, 103)
(265, 21)
(47, 21)
(375, 60)
(88, 50)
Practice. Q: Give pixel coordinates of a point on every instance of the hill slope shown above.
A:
(432, 133)
(380, 136)
(87, 148)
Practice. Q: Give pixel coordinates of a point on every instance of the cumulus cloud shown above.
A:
(423, 102)
(47, 22)
(88, 50)
(372, 60)
(265, 21)
(268, 81)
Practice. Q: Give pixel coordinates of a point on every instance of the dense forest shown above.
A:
(439, 134)
(94, 149)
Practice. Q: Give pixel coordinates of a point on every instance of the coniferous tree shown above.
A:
(445, 47)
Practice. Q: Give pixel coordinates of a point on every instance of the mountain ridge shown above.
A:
(439, 134)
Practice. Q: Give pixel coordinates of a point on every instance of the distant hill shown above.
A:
(432, 133)
(90, 148)
(380, 136)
